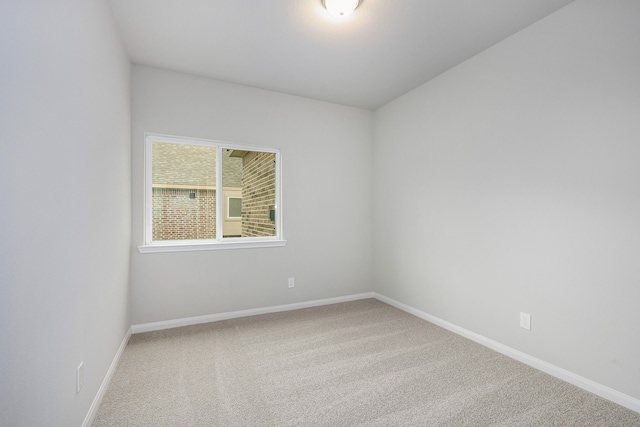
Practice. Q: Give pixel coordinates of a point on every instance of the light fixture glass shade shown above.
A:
(341, 8)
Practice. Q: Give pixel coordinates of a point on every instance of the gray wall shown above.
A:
(512, 183)
(64, 205)
(327, 181)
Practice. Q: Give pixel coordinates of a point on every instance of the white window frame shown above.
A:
(220, 242)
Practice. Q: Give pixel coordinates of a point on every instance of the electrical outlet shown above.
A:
(291, 282)
(525, 321)
(79, 377)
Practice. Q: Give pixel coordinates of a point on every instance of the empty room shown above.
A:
(319, 213)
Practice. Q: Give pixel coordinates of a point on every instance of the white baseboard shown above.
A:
(577, 380)
(168, 324)
(105, 382)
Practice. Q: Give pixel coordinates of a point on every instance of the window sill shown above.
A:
(190, 246)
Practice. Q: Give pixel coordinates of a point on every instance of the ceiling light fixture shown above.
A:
(340, 8)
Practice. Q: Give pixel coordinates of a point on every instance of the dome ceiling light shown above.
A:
(340, 8)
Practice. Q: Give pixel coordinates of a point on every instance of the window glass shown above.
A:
(183, 192)
(258, 182)
(235, 207)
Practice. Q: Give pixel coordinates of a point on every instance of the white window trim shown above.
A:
(150, 246)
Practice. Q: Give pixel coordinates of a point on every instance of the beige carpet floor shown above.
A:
(361, 363)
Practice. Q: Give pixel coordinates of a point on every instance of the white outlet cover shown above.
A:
(291, 282)
(525, 321)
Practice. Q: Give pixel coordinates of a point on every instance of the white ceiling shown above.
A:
(385, 49)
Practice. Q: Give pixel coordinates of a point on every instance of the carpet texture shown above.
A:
(361, 363)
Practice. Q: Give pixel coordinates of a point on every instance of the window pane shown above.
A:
(255, 171)
(235, 207)
(184, 191)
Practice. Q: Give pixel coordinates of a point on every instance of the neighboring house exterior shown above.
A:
(258, 193)
(184, 192)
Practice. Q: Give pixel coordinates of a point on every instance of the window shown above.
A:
(210, 195)
(234, 207)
